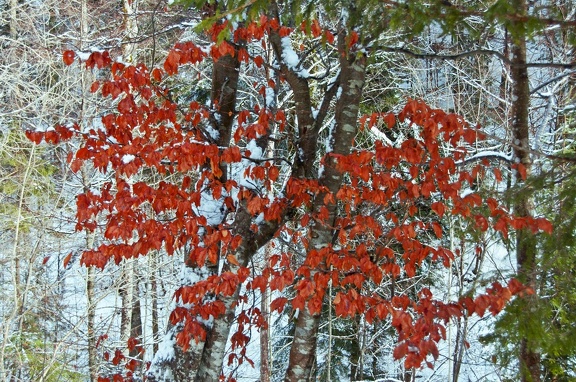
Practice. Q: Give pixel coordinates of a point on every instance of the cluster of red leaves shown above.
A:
(401, 180)
(148, 131)
(119, 360)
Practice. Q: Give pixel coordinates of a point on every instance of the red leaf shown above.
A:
(94, 87)
(274, 25)
(481, 222)
(118, 356)
(278, 304)
(352, 39)
(258, 60)
(284, 31)
(390, 120)
(132, 364)
(544, 225)
(315, 305)
(68, 57)
(439, 208)
(400, 351)
(273, 173)
(157, 74)
(103, 337)
(34, 136)
(132, 342)
(469, 136)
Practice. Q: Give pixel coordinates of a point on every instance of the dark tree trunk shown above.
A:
(525, 248)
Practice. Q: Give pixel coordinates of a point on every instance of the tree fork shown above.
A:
(353, 70)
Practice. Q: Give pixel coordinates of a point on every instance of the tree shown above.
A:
(240, 174)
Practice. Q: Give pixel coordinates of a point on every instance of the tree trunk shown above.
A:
(352, 71)
(13, 6)
(136, 319)
(265, 372)
(130, 29)
(153, 300)
(459, 347)
(90, 323)
(203, 360)
(127, 296)
(525, 248)
(356, 361)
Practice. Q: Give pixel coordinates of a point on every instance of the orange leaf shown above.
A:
(352, 39)
(522, 171)
(545, 225)
(316, 29)
(437, 229)
(67, 259)
(498, 174)
(232, 260)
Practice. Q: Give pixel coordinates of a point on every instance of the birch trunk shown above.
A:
(90, 323)
(127, 296)
(203, 360)
(265, 339)
(153, 288)
(352, 73)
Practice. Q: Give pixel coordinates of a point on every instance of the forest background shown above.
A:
(287, 191)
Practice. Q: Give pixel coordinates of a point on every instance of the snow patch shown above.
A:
(240, 171)
(163, 356)
(127, 158)
(190, 276)
(330, 137)
(212, 132)
(290, 58)
(488, 154)
(270, 97)
(339, 92)
(211, 209)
